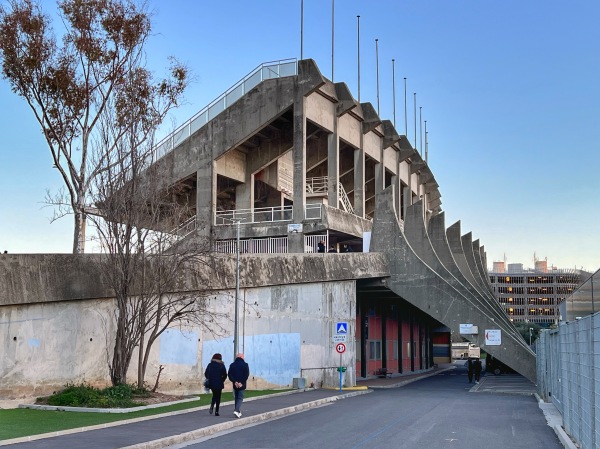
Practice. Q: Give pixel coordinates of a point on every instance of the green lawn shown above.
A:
(22, 422)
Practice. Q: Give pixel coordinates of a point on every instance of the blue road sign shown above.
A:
(341, 327)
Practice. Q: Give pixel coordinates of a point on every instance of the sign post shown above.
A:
(341, 332)
(341, 348)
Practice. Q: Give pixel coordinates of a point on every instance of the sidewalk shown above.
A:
(160, 431)
(398, 380)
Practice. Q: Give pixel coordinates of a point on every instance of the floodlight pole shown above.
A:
(237, 290)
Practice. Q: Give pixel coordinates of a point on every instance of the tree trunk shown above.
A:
(79, 231)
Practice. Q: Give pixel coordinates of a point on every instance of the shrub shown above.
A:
(84, 395)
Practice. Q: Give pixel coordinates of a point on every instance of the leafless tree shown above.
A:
(72, 87)
(157, 277)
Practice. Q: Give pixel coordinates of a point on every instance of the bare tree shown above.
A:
(70, 87)
(157, 276)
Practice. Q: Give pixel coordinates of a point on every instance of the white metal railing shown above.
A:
(266, 245)
(311, 243)
(258, 215)
(265, 71)
(313, 211)
(164, 241)
(269, 245)
(344, 199)
(317, 184)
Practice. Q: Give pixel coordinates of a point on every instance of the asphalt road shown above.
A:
(438, 412)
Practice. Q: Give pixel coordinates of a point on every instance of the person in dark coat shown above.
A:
(477, 369)
(321, 246)
(470, 369)
(239, 371)
(216, 373)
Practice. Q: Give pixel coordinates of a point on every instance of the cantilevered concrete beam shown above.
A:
(430, 186)
(390, 136)
(371, 119)
(346, 102)
(467, 244)
(416, 166)
(419, 239)
(425, 175)
(439, 241)
(415, 281)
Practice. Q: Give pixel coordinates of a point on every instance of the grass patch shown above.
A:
(25, 422)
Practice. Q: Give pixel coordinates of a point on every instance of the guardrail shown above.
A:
(265, 71)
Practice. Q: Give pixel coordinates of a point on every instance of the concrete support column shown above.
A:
(380, 172)
(400, 343)
(295, 243)
(206, 199)
(359, 180)
(244, 193)
(407, 198)
(397, 194)
(333, 167)
(384, 351)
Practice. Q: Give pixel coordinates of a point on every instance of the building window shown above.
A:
(374, 350)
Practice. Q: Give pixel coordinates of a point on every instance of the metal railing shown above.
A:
(268, 245)
(164, 241)
(258, 215)
(311, 243)
(344, 199)
(265, 71)
(317, 184)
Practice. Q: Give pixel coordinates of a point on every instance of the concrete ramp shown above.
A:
(418, 276)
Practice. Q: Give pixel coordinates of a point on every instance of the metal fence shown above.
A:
(568, 374)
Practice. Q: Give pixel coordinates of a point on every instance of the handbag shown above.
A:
(207, 384)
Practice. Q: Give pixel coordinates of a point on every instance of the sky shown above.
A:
(510, 91)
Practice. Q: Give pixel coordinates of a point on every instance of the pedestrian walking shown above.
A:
(239, 371)
(470, 369)
(216, 373)
(477, 369)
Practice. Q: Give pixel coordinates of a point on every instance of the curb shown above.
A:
(211, 430)
(58, 433)
(563, 436)
(414, 379)
(58, 408)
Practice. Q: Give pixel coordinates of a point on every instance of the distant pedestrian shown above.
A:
(346, 249)
(239, 371)
(332, 250)
(477, 369)
(470, 369)
(216, 373)
(321, 246)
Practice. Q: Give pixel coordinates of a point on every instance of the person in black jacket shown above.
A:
(216, 373)
(239, 371)
(477, 369)
(470, 369)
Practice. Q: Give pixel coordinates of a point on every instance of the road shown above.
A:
(438, 412)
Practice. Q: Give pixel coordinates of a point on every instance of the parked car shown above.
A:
(495, 366)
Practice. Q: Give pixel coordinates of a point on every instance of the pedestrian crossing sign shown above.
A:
(341, 327)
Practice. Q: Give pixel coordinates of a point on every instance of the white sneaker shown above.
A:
(237, 414)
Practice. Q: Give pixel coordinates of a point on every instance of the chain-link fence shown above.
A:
(569, 375)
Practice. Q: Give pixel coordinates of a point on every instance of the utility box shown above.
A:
(299, 383)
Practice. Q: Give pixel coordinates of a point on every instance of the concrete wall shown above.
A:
(289, 306)
(283, 330)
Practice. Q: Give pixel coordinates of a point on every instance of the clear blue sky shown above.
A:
(510, 91)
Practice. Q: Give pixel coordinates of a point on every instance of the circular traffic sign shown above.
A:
(340, 347)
